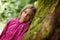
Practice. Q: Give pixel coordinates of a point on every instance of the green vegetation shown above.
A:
(11, 8)
(40, 26)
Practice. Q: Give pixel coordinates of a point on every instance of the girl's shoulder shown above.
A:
(13, 20)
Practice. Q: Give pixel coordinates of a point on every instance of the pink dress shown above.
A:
(14, 30)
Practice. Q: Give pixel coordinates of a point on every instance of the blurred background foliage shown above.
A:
(11, 8)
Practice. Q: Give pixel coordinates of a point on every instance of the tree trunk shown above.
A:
(40, 26)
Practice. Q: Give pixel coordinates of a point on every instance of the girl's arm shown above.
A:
(5, 28)
(24, 30)
(9, 30)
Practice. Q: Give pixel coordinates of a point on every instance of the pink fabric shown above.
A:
(14, 30)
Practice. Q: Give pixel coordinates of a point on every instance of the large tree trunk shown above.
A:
(55, 35)
(40, 26)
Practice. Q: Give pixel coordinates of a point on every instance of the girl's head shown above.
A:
(27, 13)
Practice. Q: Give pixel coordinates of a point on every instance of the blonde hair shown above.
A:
(31, 6)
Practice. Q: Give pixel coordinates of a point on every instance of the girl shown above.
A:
(16, 27)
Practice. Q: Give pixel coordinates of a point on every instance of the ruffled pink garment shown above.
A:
(14, 30)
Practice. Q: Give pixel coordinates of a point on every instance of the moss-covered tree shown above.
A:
(41, 26)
